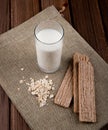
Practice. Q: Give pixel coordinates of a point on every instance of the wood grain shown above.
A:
(85, 15)
(22, 10)
(4, 16)
(102, 46)
(4, 100)
(105, 127)
(87, 108)
(81, 20)
(58, 4)
(36, 6)
(16, 121)
(103, 5)
(4, 110)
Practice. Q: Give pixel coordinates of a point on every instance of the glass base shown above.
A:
(48, 71)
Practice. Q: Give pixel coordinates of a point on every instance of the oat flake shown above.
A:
(41, 89)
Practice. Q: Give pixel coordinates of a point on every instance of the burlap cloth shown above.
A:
(17, 50)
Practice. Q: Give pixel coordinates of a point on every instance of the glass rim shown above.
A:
(51, 42)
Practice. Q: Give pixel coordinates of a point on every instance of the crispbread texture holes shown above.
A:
(87, 108)
(77, 57)
(64, 94)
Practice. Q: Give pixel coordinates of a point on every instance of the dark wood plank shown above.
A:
(36, 6)
(22, 10)
(16, 121)
(4, 110)
(105, 127)
(81, 20)
(85, 15)
(103, 4)
(59, 4)
(102, 46)
(4, 15)
(4, 101)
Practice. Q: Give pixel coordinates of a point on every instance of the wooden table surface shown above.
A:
(88, 17)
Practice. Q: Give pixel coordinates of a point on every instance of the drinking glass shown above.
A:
(49, 42)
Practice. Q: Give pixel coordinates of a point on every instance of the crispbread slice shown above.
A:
(87, 108)
(77, 57)
(64, 94)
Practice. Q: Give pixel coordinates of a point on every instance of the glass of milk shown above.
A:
(49, 41)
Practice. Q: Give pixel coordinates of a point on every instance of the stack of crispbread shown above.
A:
(79, 83)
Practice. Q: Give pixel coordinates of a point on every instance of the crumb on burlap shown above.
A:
(18, 89)
(21, 81)
(22, 69)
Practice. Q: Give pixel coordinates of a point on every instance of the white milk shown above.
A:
(49, 49)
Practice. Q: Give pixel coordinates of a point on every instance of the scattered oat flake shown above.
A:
(31, 78)
(53, 88)
(42, 104)
(22, 69)
(51, 96)
(29, 89)
(21, 81)
(41, 89)
(46, 77)
(50, 82)
(18, 89)
(27, 84)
